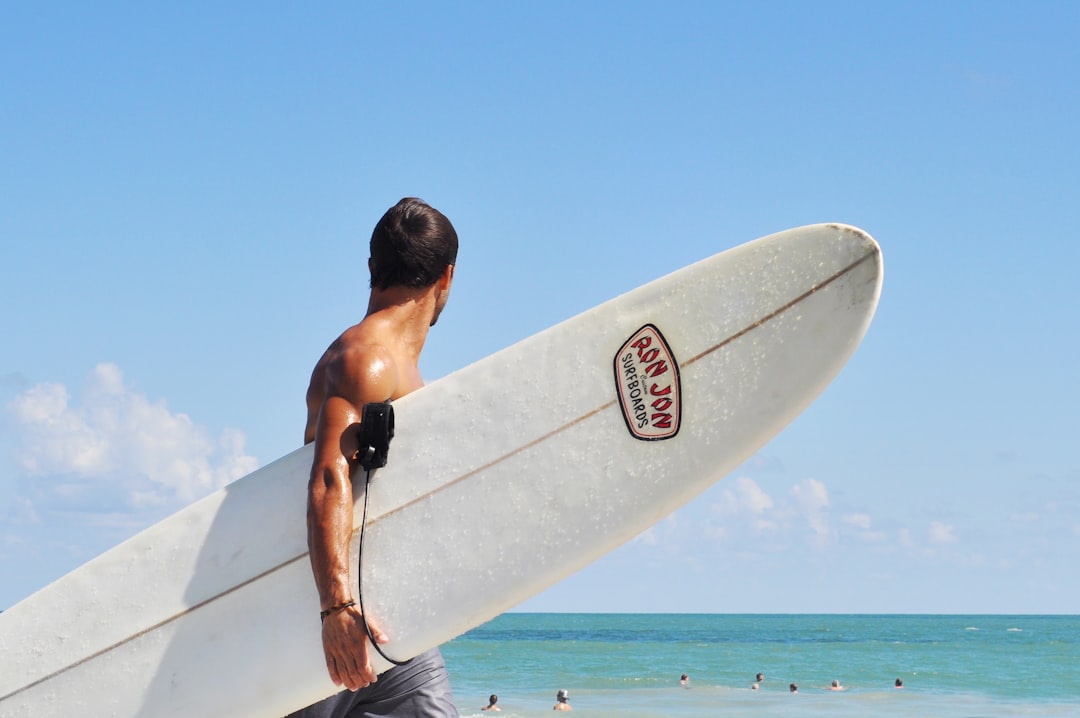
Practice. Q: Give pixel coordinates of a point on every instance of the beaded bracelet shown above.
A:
(336, 609)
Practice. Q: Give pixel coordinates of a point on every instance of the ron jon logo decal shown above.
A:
(647, 381)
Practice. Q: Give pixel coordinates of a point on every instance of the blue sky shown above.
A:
(186, 193)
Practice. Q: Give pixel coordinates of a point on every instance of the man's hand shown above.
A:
(346, 645)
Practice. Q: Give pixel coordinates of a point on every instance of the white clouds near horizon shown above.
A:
(84, 470)
(112, 449)
(743, 507)
(745, 518)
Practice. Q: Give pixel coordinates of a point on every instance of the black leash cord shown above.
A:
(360, 574)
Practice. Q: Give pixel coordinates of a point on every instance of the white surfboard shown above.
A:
(513, 472)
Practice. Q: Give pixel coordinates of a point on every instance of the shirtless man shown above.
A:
(413, 251)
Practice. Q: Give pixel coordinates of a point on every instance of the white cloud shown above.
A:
(747, 510)
(811, 500)
(862, 527)
(746, 502)
(811, 494)
(942, 533)
(744, 496)
(859, 521)
(115, 448)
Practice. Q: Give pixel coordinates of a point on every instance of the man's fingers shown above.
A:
(347, 649)
(335, 676)
(357, 679)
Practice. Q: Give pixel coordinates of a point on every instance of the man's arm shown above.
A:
(330, 514)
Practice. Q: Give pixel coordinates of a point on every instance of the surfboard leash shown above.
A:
(376, 431)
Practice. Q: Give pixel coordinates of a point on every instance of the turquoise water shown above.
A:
(629, 665)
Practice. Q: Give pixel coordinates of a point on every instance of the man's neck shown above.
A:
(405, 312)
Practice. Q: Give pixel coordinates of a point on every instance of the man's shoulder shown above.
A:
(359, 345)
(366, 341)
(362, 354)
(358, 368)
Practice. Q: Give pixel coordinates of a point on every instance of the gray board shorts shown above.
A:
(418, 689)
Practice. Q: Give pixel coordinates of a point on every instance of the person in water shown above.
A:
(562, 701)
(491, 704)
(413, 250)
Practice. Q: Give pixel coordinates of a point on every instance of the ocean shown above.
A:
(630, 665)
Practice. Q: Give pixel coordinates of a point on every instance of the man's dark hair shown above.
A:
(411, 246)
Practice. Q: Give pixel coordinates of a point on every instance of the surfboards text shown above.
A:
(647, 384)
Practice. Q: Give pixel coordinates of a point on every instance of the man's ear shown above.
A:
(448, 276)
